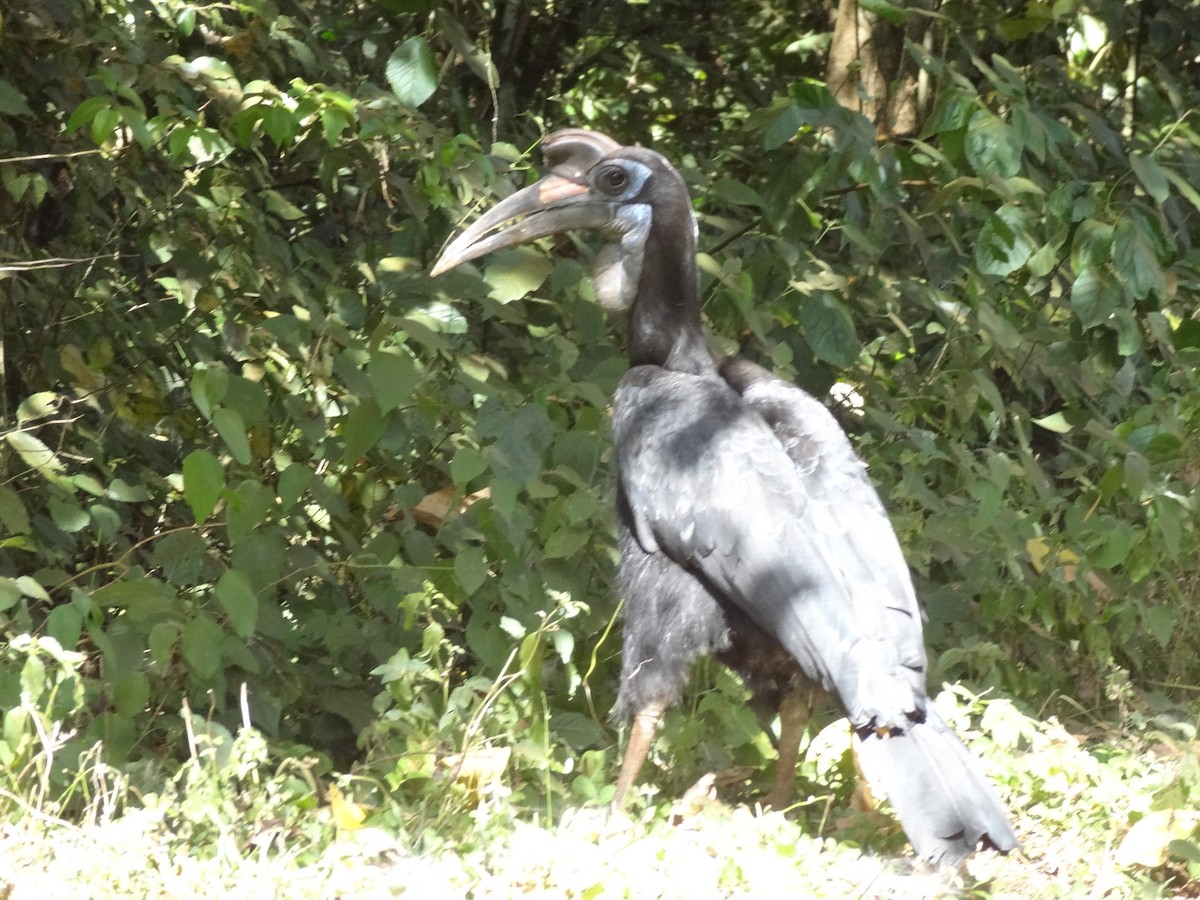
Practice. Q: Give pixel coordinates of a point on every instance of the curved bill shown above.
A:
(559, 202)
(554, 204)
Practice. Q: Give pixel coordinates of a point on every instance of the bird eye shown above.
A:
(613, 180)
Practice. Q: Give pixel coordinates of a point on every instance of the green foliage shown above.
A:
(248, 441)
(230, 789)
(227, 449)
(1110, 814)
(41, 694)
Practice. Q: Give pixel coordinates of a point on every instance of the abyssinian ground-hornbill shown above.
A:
(748, 527)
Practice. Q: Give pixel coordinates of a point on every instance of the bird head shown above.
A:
(591, 182)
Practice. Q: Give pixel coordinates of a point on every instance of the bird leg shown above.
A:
(641, 736)
(794, 711)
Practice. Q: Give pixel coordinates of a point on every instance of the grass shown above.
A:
(1103, 811)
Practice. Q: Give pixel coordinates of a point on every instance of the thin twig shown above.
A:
(741, 232)
(119, 562)
(54, 262)
(41, 156)
(36, 424)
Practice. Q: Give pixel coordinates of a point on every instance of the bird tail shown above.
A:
(941, 797)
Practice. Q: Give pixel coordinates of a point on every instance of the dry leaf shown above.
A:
(694, 799)
(480, 769)
(439, 507)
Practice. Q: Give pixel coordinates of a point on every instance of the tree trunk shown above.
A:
(869, 71)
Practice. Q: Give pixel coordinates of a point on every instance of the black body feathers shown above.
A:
(749, 525)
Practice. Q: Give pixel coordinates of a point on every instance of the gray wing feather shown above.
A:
(711, 483)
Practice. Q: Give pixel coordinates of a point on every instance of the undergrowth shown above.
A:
(1102, 809)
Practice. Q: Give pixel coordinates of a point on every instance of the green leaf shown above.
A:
(1185, 336)
(247, 507)
(513, 628)
(393, 376)
(144, 599)
(1129, 332)
(1118, 541)
(884, 10)
(1043, 261)
(1151, 175)
(783, 125)
(1092, 246)
(12, 101)
(248, 398)
(86, 482)
(515, 273)
(1028, 127)
(487, 640)
(86, 111)
(334, 121)
(955, 107)
(468, 463)
(1055, 422)
(106, 522)
(412, 72)
(239, 601)
(41, 405)
(65, 624)
(827, 327)
(1186, 850)
(1160, 622)
(31, 588)
(479, 62)
(10, 594)
(1167, 516)
(123, 492)
(293, 482)
(202, 646)
(130, 694)
(33, 681)
(991, 146)
(564, 543)
(36, 455)
(69, 516)
(576, 730)
(208, 387)
(13, 515)
(181, 556)
(232, 430)
(1004, 243)
(1182, 185)
(104, 123)
(161, 641)
(361, 429)
(1137, 472)
(185, 21)
(280, 125)
(564, 644)
(1135, 259)
(470, 568)
(735, 192)
(203, 481)
(997, 328)
(521, 439)
(1094, 297)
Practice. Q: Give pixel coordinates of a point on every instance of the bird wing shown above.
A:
(844, 503)
(771, 507)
